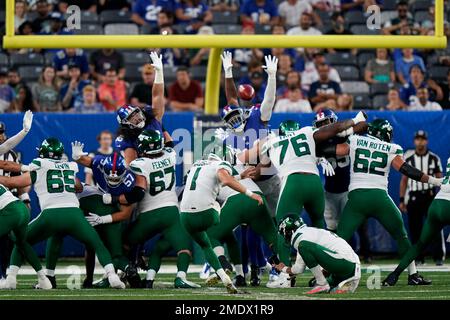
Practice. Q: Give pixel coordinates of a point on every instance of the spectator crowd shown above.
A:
(92, 81)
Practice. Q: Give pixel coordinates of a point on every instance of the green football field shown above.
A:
(440, 289)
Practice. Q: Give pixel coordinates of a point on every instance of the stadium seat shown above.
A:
(27, 59)
(198, 72)
(379, 101)
(387, 16)
(115, 16)
(354, 17)
(133, 73)
(419, 5)
(361, 101)
(145, 29)
(389, 4)
(438, 73)
(363, 58)
(170, 74)
(89, 17)
(89, 29)
(348, 73)
(2, 17)
(420, 16)
(263, 29)
(48, 57)
(354, 87)
(226, 17)
(341, 58)
(362, 29)
(4, 61)
(379, 88)
(139, 57)
(122, 28)
(30, 73)
(227, 29)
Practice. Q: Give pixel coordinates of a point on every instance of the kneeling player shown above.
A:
(321, 248)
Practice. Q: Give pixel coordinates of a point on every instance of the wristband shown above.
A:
(107, 219)
(159, 77)
(248, 193)
(284, 269)
(228, 73)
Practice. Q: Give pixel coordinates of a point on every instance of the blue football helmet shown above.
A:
(114, 169)
(131, 117)
(234, 118)
(324, 117)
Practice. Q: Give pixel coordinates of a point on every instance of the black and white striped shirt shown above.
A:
(10, 156)
(429, 163)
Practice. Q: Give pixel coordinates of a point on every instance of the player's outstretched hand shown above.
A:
(227, 63)
(77, 150)
(360, 117)
(327, 167)
(279, 266)
(94, 219)
(249, 173)
(271, 65)
(156, 60)
(221, 134)
(435, 181)
(27, 121)
(258, 198)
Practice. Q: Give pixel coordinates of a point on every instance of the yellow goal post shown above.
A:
(218, 42)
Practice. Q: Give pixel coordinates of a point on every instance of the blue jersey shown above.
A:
(61, 60)
(148, 9)
(125, 186)
(341, 164)
(121, 143)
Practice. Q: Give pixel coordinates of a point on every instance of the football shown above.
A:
(246, 92)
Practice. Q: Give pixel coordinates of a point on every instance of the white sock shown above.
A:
(50, 273)
(150, 275)
(412, 268)
(41, 273)
(317, 272)
(223, 276)
(12, 271)
(239, 270)
(219, 251)
(181, 274)
(109, 268)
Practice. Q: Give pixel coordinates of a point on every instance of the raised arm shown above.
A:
(401, 166)
(230, 87)
(227, 180)
(158, 100)
(21, 181)
(271, 89)
(327, 132)
(15, 140)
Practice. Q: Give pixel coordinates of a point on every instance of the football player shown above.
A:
(55, 184)
(316, 249)
(199, 209)
(371, 158)
(158, 206)
(16, 139)
(437, 218)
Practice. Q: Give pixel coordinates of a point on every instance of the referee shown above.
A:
(420, 195)
(6, 245)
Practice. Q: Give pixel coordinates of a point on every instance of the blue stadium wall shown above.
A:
(70, 127)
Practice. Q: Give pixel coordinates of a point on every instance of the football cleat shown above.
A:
(114, 281)
(239, 281)
(417, 280)
(101, 284)
(283, 281)
(185, 284)
(319, 289)
(204, 274)
(44, 283)
(8, 283)
(147, 284)
(231, 289)
(52, 280)
(255, 280)
(214, 279)
(87, 284)
(132, 277)
(391, 280)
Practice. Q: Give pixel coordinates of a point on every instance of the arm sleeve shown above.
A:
(12, 142)
(299, 265)
(411, 172)
(269, 99)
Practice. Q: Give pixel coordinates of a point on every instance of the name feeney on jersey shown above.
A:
(333, 245)
(294, 152)
(160, 176)
(203, 185)
(444, 193)
(6, 197)
(54, 183)
(370, 162)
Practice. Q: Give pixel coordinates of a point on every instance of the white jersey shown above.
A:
(294, 152)
(203, 185)
(160, 176)
(444, 193)
(331, 244)
(6, 197)
(370, 162)
(226, 192)
(54, 183)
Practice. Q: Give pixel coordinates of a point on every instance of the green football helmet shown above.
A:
(288, 126)
(51, 148)
(289, 225)
(381, 129)
(150, 142)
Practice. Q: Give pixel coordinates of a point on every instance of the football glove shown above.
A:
(435, 181)
(95, 220)
(360, 117)
(77, 150)
(271, 65)
(27, 121)
(227, 64)
(327, 168)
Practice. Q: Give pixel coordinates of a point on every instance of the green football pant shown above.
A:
(166, 221)
(239, 209)
(314, 254)
(63, 221)
(196, 224)
(300, 191)
(14, 218)
(376, 203)
(110, 234)
(438, 217)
